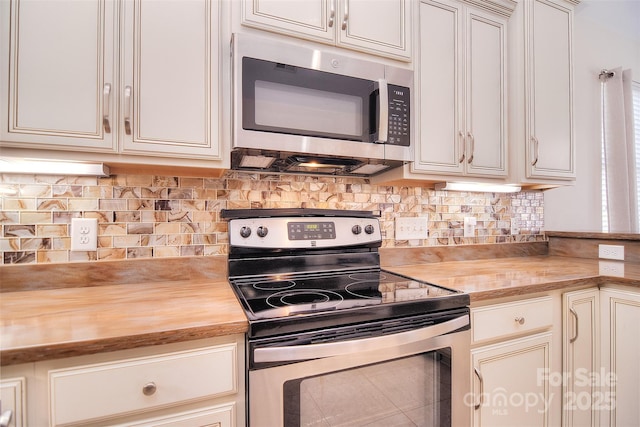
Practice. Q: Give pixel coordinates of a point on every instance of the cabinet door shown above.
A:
(550, 144)
(58, 74)
(382, 27)
(581, 350)
(440, 146)
(220, 416)
(310, 19)
(620, 312)
(170, 91)
(485, 94)
(462, 91)
(12, 397)
(511, 387)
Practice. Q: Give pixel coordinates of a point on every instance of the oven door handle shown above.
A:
(318, 351)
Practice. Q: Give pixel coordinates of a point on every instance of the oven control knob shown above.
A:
(369, 229)
(245, 232)
(262, 231)
(356, 229)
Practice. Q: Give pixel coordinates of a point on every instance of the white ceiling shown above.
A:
(620, 16)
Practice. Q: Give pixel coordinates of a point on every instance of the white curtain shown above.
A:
(619, 150)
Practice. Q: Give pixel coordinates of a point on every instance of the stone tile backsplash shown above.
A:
(145, 216)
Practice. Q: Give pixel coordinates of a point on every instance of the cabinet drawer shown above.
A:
(118, 388)
(499, 320)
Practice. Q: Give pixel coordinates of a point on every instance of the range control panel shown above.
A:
(294, 232)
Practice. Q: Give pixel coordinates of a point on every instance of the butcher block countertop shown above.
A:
(100, 312)
(487, 279)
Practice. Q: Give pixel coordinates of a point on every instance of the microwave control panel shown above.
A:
(399, 115)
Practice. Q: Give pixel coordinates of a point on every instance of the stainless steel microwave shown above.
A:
(303, 110)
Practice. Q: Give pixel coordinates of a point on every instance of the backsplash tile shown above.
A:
(146, 216)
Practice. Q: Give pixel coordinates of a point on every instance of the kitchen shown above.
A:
(147, 216)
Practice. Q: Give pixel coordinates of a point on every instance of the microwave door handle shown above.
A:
(318, 351)
(383, 99)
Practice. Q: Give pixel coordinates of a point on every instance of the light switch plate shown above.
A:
(515, 226)
(469, 226)
(410, 228)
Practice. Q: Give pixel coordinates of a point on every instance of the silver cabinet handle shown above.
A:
(346, 15)
(383, 127)
(463, 145)
(575, 316)
(5, 418)
(332, 13)
(536, 147)
(149, 389)
(480, 401)
(519, 320)
(127, 110)
(472, 142)
(106, 94)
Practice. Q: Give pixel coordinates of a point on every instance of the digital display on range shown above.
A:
(311, 230)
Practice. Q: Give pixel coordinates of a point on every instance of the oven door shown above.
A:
(419, 376)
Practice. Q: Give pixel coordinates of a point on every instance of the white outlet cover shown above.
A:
(611, 268)
(611, 252)
(84, 234)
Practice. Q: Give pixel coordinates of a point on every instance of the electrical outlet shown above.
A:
(611, 268)
(469, 226)
(84, 234)
(515, 226)
(409, 228)
(611, 252)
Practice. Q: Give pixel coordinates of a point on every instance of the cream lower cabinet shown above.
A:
(192, 384)
(620, 328)
(137, 77)
(601, 368)
(384, 29)
(510, 382)
(512, 358)
(13, 401)
(581, 358)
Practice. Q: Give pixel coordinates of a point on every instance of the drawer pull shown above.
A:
(479, 404)
(519, 320)
(575, 316)
(149, 389)
(5, 418)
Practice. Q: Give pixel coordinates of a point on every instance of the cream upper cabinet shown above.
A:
(58, 78)
(542, 129)
(581, 357)
(381, 28)
(169, 96)
(462, 91)
(139, 77)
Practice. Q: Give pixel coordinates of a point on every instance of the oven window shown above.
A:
(412, 390)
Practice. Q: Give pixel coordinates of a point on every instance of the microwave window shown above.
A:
(283, 106)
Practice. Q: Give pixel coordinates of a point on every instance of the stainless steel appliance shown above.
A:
(306, 110)
(333, 338)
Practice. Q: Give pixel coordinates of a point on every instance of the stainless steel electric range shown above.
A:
(320, 308)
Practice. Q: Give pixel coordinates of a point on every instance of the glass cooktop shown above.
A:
(282, 296)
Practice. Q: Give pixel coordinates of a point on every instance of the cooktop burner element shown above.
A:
(296, 270)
